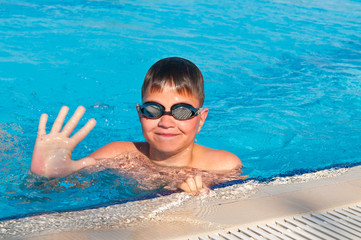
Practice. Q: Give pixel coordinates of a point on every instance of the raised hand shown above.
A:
(52, 152)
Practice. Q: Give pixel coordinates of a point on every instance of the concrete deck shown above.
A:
(270, 203)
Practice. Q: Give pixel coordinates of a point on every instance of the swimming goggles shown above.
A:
(180, 111)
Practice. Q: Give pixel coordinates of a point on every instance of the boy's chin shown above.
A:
(167, 149)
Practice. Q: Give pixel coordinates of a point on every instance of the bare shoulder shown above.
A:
(116, 148)
(218, 160)
(225, 160)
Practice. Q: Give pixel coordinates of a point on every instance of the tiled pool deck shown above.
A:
(270, 203)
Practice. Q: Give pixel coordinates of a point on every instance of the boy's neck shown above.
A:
(180, 159)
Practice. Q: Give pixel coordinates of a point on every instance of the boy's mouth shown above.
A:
(167, 134)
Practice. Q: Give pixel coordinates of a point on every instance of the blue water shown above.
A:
(282, 79)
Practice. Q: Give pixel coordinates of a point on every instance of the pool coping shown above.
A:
(270, 203)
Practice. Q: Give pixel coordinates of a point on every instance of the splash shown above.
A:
(9, 142)
(151, 176)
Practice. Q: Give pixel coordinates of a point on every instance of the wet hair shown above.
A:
(178, 72)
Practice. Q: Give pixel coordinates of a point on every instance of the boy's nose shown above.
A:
(166, 121)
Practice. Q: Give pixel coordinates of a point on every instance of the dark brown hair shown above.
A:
(180, 72)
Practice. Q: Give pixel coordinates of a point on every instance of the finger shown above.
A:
(198, 182)
(73, 121)
(82, 163)
(184, 186)
(84, 131)
(202, 187)
(59, 119)
(192, 185)
(42, 124)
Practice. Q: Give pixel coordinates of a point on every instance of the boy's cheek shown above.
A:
(146, 128)
(147, 123)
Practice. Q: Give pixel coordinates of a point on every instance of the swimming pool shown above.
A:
(282, 84)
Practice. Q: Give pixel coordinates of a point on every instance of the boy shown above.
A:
(171, 115)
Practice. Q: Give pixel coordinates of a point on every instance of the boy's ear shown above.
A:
(204, 115)
(138, 111)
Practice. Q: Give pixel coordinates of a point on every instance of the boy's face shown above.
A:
(166, 134)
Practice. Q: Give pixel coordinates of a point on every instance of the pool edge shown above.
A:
(271, 202)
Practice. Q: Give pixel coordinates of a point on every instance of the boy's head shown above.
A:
(181, 73)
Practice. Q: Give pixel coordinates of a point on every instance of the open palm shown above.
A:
(52, 152)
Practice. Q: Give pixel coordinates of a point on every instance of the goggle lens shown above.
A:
(182, 113)
(152, 111)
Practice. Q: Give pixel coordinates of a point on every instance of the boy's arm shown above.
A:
(221, 166)
(225, 165)
(113, 149)
(52, 151)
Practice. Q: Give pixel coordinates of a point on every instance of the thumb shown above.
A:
(84, 162)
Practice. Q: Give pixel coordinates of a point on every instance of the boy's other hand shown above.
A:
(194, 186)
(52, 152)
